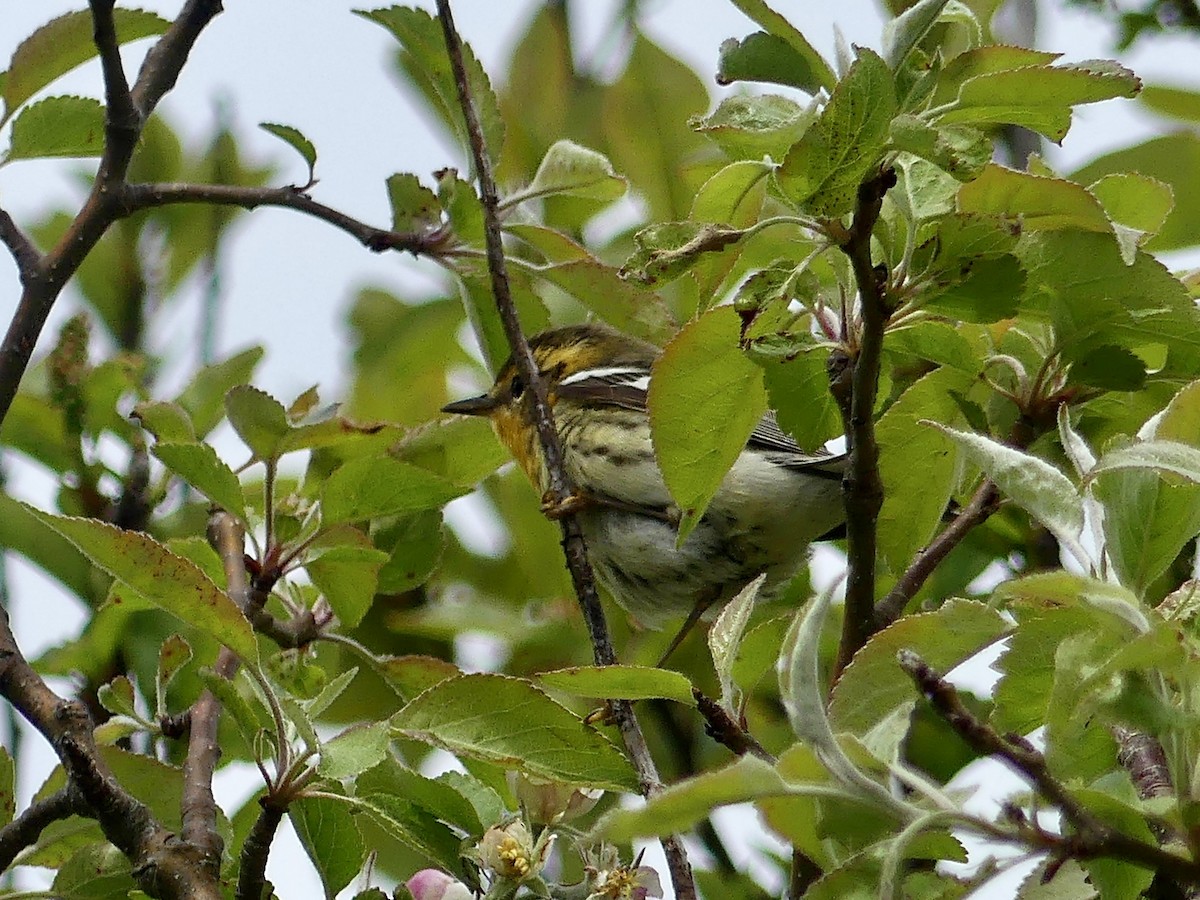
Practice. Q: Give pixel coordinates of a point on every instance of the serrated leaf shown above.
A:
(204, 396)
(443, 798)
(58, 127)
(902, 34)
(354, 751)
(822, 171)
(95, 872)
(1111, 368)
(575, 171)
(170, 582)
(959, 150)
(331, 839)
(414, 827)
(1039, 202)
(705, 399)
(725, 636)
(295, 139)
(820, 73)
(166, 421)
(415, 208)
(62, 44)
(173, 655)
(117, 697)
(666, 250)
(259, 419)
(872, 686)
(199, 466)
(347, 577)
(1035, 485)
(462, 449)
(749, 127)
(1040, 97)
(620, 683)
(513, 723)
(423, 59)
(766, 58)
(628, 307)
(369, 487)
(1137, 206)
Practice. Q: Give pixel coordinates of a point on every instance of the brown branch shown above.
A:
(252, 874)
(560, 488)
(721, 727)
(862, 487)
(198, 807)
(24, 253)
(136, 197)
(1092, 838)
(163, 866)
(161, 67)
(984, 502)
(25, 829)
(121, 117)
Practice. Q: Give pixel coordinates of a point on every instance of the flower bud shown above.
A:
(433, 884)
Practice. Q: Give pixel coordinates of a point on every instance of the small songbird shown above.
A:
(774, 501)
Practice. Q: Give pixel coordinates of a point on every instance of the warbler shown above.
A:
(774, 501)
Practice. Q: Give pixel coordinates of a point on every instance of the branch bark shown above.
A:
(862, 488)
(561, 489)
(25, 829)
(252, 874)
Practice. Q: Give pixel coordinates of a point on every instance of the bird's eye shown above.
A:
(516, 387)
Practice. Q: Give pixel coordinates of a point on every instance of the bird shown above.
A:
(775, 500)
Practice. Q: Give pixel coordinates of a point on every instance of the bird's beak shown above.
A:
(482, 405)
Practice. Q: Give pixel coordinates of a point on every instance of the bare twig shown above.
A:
(1092, 838)
(984, 502)
(121, 116)
(560, 488)
(24, 253)
(24, 830)
(136, 197)
(721, 727)
(862, 488)
(252, 874)
(197, 805)
(161, 67)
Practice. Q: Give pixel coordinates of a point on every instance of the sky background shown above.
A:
(287, 278)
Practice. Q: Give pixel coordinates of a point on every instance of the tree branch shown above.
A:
(25, 829)
(252, 874)
(984, 502)
(862, 489)
(121, 118)
(24, 253)
(1092, 837)
(161, 67)
(136, 197)
(560, 488)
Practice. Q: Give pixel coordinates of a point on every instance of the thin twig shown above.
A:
(137, 197)
(198, 807)
(25, 829)
(1092, 838)
(560, 488)
(862, 488)
(984, 502)
(721, 727)
(252, 875)
(24, 253)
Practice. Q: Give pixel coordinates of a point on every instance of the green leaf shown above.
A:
(347, 576)
(203, 399)
(170, 582)
(749, 127)
(1039, 202)
(628, 307)
(354, 751)
(902, 34)
(259, 419)
(417, 542)
(768, 58)
(1176, 102)
(58, 127)
(798, 389)
(822, 171)
(199, 466)
(423, 59)
(331, 839)
(445, 799)
(705, 398)
(1040, 97)
(414, 827)
(174, 653)
(415, 208)
(872, 687)
(1035, 485)
(62, 44)
(295, 139)
(1115, 877)
(117, 697)
(982, 61)
(1159, 456)
(664, 251)
(1137, 207)
(822, 75)
(725, 636)
(620, 683)
(409, 675)
(1110, 367)
(166, 421)
(369, 487)
(97, 872)
(917, 465)
(574, 171)
(513, 723)
(959, 150)
(462, 449)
